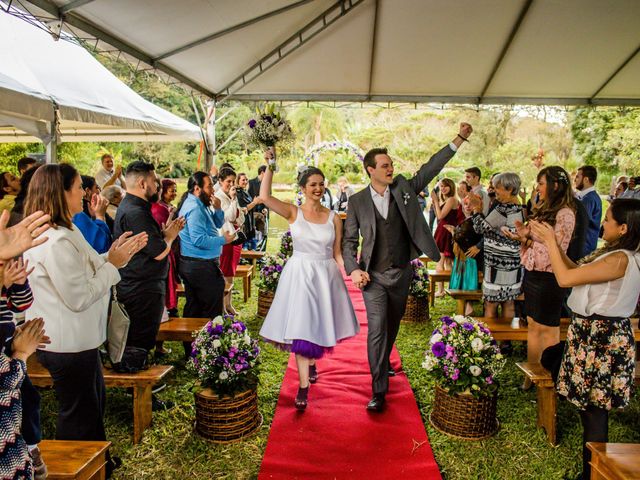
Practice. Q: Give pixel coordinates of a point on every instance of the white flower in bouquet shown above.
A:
(217, 343)
(217, 321)
(436, 337)
(477, 344)
(247, 340)
(475, 370)
(429, 363)
(459, 319)
(223, 375)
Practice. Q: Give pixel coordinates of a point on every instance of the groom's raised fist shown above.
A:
(465, 130)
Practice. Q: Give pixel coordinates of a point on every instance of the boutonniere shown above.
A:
(405, 198)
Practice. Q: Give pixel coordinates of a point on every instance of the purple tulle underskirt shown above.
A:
(305, 348)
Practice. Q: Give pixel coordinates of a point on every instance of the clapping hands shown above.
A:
(16, 272)
(465, 130)
(543, 231)
(125, 247)
(172, 228)
(22, 236)
(98, 206)
(29, 337)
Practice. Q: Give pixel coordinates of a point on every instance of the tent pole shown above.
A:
(52, 144)
(211, 136)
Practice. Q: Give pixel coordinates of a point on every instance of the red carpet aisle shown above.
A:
(336, 438)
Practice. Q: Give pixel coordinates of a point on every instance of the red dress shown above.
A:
(229, 259)
(161, 214)
(444, 239)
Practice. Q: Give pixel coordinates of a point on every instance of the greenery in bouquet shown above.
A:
(464, 357)
(224, 357)
(286, 244)
(420, 281)
(272, 266)
(268, 127)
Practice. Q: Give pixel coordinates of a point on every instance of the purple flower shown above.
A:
(446, 319)
(456, 375)
(468, 326)
(438, 349)
(252, 123)
(451, 351)
(489, 380)
(217, 330)
(237, 367)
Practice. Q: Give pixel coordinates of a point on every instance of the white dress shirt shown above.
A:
(71, 287)
(381, 201)
(103, 175)
(581, 193)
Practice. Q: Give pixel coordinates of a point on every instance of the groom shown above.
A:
(388, 217)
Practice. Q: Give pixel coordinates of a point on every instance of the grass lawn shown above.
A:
(171, 449)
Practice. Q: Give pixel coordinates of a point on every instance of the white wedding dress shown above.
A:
(311, 310)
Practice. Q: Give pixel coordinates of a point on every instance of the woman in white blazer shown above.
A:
(71, 287)
(233, 220)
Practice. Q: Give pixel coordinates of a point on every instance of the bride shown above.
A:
(311, 310)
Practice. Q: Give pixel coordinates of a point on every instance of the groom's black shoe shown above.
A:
(376, 404)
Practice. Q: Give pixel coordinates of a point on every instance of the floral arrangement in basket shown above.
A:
(420, 282)
(267, 128)
(464, 357)
(286, 244)
(272, 266)
(224, 357)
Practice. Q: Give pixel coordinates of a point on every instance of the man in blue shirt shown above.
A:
(200, 248)
(586, 192)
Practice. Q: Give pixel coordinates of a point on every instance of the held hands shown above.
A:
(118, 170)
(29, 337)
(472, 252)
(172, 228)
(360, 278)
(22, 236)
(98, 206)
(125, 247)
(16, 272)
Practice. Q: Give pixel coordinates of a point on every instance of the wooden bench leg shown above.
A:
(141, 411)
(245, 287)
(547, 404)
(254, 262)
(249, 286)
(460, 306)
(432, 293)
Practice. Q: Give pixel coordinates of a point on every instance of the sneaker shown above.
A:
(39, 467)
(159, 405)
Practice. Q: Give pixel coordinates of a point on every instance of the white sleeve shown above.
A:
(76, 286)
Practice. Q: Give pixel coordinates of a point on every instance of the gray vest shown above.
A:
(392, 245)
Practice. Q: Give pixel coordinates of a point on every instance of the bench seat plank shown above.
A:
(77, 460)
(614, 461)
(180, 329)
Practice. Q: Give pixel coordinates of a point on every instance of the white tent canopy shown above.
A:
(39, 77)
(462, 51)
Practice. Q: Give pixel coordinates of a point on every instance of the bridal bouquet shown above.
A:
(267, 128)
(286, 244)
(464, 357)
(224, 356)
(270, 272)
(420, 281)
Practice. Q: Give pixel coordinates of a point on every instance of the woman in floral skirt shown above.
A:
(597, 369)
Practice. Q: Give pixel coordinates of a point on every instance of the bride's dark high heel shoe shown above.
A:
(301, 399)
(313, 374)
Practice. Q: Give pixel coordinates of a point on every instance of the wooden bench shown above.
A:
(546, 395)
(434, 277)
(614, 461)
(254, 256)
(245, 273)
(141, 382)
(462, 296)
(68, 459)
(180, 329)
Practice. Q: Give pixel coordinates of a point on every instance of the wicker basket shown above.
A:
(227, 419)
(464, 416)
(417, 309)
(265, 297)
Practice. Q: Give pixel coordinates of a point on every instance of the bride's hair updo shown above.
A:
(303, 175)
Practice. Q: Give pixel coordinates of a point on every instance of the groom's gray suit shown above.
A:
(388, 245)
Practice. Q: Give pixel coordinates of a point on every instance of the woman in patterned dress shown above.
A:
(597, 369)
(502, 281)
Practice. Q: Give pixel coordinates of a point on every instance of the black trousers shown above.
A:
(145, 312)
(203, 287)
(385, 298)
(30, 412)
(79, 386)
(595, 425)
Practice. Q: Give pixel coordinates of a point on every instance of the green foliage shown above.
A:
(10, 153)
(607, 138)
